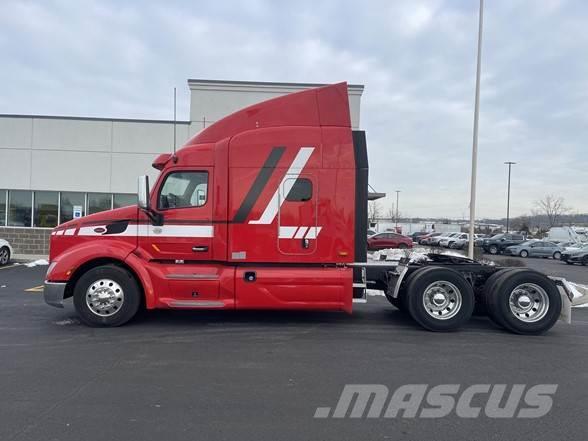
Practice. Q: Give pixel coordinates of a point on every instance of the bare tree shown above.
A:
(373, 211)
(552, 207)
(391, 213)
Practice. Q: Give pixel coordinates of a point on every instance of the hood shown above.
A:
(118, 214)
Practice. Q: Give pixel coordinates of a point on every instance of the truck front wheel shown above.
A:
(439, 299)
(107, 296)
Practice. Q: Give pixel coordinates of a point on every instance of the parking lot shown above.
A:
(261, 375)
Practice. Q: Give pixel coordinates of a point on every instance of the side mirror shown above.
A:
(143, 192)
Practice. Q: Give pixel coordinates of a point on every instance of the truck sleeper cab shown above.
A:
(267, 209)
(256, 211)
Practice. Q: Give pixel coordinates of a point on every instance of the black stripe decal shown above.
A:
(259, 184)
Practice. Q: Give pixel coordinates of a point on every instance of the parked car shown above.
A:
(447, 242)
(388, 239)
(577, 256)
(5, 252)
(535, 248)
(462, 243)
(425, 240)
(416, 237)
(437, 240)
(499, 242)
(371, 232)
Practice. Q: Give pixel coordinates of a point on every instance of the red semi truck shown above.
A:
(267, 209)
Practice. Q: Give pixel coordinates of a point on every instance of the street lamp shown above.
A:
(397, 193)
(510, 164)
(475, 141)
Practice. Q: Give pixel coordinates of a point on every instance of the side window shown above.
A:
(516, 237)
(183, 190)
(301, 191)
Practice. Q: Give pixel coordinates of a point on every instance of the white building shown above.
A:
(50, 165)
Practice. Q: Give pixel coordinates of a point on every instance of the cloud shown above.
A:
(416, 59)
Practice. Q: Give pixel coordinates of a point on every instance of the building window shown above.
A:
(301, 191)
(45, 213)
(98, 202)
(122, 200)
(3, 195)
(184, 190)
(20, 205)
(71, 202)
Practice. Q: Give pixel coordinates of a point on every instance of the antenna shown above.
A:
(175, 158)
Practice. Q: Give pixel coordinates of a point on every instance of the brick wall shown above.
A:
(27, 240)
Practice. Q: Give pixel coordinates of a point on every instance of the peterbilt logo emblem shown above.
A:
(99, 230)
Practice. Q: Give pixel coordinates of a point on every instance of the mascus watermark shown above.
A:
(425, 401)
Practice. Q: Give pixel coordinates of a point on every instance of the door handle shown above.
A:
(200, 249)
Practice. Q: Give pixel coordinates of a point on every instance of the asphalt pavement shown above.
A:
(198, 375)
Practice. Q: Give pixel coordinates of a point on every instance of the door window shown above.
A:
(183, 190)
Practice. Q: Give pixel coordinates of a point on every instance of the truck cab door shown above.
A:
(184, 200)
(297, 215)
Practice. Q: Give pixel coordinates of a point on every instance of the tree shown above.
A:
(391, 213)
(373, 211)
(553, 207)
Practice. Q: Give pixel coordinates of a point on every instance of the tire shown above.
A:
(493, 249)
(488, 288)
(539, 306)
(402, 246)
(456, 298)
(4, 256)
(524, 253)
(113, 311)
(569, 263)
(557, 255)
(585, 260)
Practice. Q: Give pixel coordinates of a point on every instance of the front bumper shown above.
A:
(54, 293)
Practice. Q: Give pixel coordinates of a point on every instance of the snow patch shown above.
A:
(67, 322)
(374, 292)
(39, 262)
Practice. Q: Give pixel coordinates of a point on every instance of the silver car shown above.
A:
(535, 248)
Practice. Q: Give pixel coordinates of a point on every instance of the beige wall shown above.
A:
(74, 154)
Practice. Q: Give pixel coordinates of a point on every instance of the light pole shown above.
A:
(397, 193)
(475, 140)
(510, 164)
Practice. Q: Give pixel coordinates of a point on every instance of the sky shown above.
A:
(416, 58)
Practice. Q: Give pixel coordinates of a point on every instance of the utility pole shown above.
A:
(397, 193)
(475, 140)
(510, 164)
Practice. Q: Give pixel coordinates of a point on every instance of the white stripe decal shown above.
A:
(287, 232)
(153, 231)
(270, 212)
(313, 232)
(300, 233)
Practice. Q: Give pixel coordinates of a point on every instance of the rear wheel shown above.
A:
(439, 299)
(557, 255)
(585, 260)
(107, 296)
(493, 249)
(524, 253)
(524, 302)
(402, 246)
(4, 256)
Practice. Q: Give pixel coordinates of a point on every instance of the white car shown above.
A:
(449, 239)
(5, 252)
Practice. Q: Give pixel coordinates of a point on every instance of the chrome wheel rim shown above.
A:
(3, 256)
(529, 302)
(442, 300)
(105, 297)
